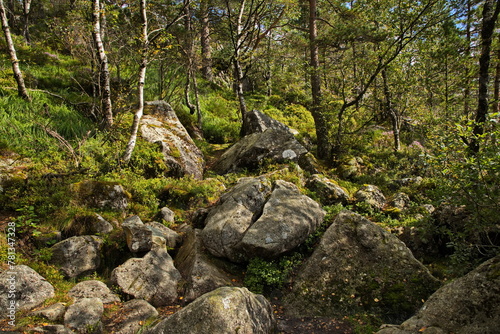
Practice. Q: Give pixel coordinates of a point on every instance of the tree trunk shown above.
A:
(468, 54)
(205, 40)
(490, 14)
(18, 75)
(26, 16)
(322, 131)
(395, 119)
(104, 77)
(142, 78)
(238, 71)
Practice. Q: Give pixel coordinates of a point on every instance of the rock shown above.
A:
(53, 329)
(197, 268)
(372, 196)
(102, 195)
(309, 163)
(84, 316)
(251, 220)
(468, 305)
(131, 317)
(400, 201)
(77, 255)
(360, 267)
(327, 190)
(181, 154)
(138, 235)
(251, 151)
(88, 225)
(287, 219)
(167, 215)
(172, 238)
(22, 288)
(93, 289)
(53, 312)
(257, 122)
(228, 221)
(152, 278)
(350, 167)
(223, 311)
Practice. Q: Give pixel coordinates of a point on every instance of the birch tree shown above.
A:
(18, 75)
(104, 77)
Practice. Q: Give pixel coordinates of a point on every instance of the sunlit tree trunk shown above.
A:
(142, 79)
(18, 75)
(104, 76)
(205, 40)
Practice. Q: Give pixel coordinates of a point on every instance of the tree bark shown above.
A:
(324, 149)
(391, 111)
(104, 76)
(490, 13)
(26, 17)
(142, 79)
(205, 40)
(18, 75)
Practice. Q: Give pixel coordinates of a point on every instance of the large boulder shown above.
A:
(360, 267)
(223, 311)
(372, 196)
(152, 278)
(77, 255)
(162, 127)
(198, 268)
(256, 122)
(22, 288)
(253, 150)
(172, 238)
(93, 289)
(252, 220)
(468, 305)
(137, 235)
(328, 191)
(102, 195)
(84, 316)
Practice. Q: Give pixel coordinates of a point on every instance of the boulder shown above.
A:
(102, 195)
(130, 318)
(93, 289)
(287, 219)
(152, 278)
(350, 167)
(198, 269)
(77, 255)
(138, 235)
(53, 312)
(84, 316)
(224, 311)
(468, 305)
(181, 154)
(372, 196)
(172, 238)
(400, 201)
(257, 122)
(53, 329)
(88, 225)
(234, 213)
(167, 215)
(360, 267)
(328, 191)
(252, 220)
(22, 288)
(253, 150)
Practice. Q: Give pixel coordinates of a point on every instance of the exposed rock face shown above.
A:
(132, 316)
(77, 255)
(22, 288)
(256, 122)
(251, 220)
(93, 289)
(252, 150)
(84, 316)
(224, 311)
(172, 238)
(153, 277)
(372, 196)
(329, 191)
(138, 235)
(197, 268)
(468, 305)
(359, 267)
(102, 195)
(181, 154)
